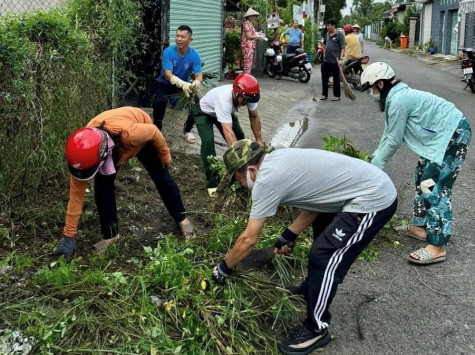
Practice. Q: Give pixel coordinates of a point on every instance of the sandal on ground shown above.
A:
(425, 258)
(323, 97)
(101, 246)
(406, 230)
(187, 230)
(336, 99)
(189, 137)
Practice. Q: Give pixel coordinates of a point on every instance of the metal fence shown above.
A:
(25, 6)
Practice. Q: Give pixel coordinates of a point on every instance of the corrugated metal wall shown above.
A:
(205, 17)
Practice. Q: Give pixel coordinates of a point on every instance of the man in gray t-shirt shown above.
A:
(346, 200)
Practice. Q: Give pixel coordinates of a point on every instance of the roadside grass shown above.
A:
(162, 301)
(159, 299)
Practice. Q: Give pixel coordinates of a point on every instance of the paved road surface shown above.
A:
(392, 307)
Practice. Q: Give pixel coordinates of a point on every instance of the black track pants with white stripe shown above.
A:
(338, 240)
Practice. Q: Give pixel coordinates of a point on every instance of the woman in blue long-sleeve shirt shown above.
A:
(440, 134)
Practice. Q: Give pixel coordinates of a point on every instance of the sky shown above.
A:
(346, 10)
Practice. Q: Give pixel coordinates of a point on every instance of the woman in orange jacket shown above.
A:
(97, 151)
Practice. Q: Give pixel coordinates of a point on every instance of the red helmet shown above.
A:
(247, 86)
(348, 28)
(85, 150)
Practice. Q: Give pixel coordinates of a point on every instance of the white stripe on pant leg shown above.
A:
(332, 265)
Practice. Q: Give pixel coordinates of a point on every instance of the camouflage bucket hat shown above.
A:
(239, 154)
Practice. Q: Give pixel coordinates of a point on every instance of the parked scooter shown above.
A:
(293, 65)
(353, 69)
(467, 65)
(320, 52)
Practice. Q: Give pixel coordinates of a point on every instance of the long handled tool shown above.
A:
(348, 92)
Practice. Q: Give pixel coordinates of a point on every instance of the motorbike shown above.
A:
(467, 65)
(319, 56)
(293, 65)
(352, 71)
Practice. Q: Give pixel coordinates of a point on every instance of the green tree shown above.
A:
(410, 11)
(392, 30)
(367, 14)
(362, 7)
(333, 10)
(377, 10)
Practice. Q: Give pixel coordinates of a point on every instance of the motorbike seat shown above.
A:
(288, 56)
(352, 60)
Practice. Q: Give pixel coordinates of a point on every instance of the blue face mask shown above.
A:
(373, 97)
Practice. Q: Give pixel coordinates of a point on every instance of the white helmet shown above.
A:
(270, 52)
(374, 72)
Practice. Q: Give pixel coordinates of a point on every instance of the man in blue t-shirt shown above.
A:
(295, 37)
(178, 62)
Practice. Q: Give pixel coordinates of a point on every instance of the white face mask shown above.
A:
(250, 183)
(372, 96)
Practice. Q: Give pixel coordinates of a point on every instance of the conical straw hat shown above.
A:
(251, 12)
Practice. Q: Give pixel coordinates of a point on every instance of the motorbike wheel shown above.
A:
(304, 76)
(357, 85)
(472, 84)
(318, 58)
(270, 70)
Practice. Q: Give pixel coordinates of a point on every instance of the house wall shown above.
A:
(469, 38)
(426, 21)
(442, 23)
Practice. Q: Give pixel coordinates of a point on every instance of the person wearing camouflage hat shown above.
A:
(345, 200)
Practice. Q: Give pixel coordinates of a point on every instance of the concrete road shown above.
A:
(392, 307)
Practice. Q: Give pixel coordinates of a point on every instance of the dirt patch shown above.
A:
(34, 226)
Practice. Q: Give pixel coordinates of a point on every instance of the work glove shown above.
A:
(195, 86)
(287, 237)
(186, 87)
(221, 272)
(67, 247)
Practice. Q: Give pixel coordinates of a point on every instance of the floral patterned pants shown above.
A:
(247, 58)
(434, 183)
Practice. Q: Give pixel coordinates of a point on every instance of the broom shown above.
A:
(348, 92)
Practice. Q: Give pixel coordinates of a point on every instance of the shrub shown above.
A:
(233, 48)
(392, 30)
(55, 75)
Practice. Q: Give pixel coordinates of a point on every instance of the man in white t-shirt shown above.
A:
(218, 108)
(345, 200)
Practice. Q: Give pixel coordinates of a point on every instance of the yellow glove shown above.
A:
(186, 87)
(195, 85)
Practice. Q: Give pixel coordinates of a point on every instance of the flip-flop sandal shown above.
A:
(336, 99)
(188, 230)
(425, 258)
(189, 137)
(323, 97)
(101, 246)
(406, 230)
